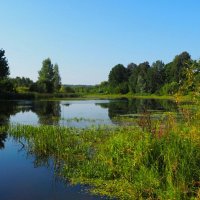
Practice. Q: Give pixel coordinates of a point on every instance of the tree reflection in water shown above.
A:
(7, 108)
(136, 106)
(48, 112)
(3, 137)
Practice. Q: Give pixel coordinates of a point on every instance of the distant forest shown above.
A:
(158, 78)
(182, 73)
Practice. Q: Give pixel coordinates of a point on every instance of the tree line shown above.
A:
(49, 80)
(157, 78)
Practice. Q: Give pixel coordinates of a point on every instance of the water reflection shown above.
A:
(53, 112)
(3, 137)
(22, 180)
(7, 108)
(17, 159)
(133, 106)
(48, 112)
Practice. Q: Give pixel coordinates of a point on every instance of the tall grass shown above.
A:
(35, 95)
(124, 162)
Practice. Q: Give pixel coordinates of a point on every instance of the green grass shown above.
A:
(123, 162)
(157, 159)
(35, 95)
(129, 95)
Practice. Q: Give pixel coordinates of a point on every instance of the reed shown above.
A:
(125, 162)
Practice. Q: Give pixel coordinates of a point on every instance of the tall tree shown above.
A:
(175, 69)
(133, 78)
(156, 76)
(117, 75)
(118, 79)
(5, 83)
(21, 81)
(46, 74)
(4, 68)
(56, 78)
(142, 81)
(130, 68)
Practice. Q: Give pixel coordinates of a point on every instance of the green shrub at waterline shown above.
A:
(122, 162)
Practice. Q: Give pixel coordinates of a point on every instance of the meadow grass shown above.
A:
(128, 95)
(157, 160)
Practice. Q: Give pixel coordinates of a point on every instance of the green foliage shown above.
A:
(84, 89)
(142, 78)
(34, 87)
(22, 82)
(35, 95)
(118, 74)
(45, 79)
(121, 88)
(175, 70)
(4, 68)
(169, 88)
(6, 85)
(103, 87)
(66, 89)
(157, 78)
(130, 69)
(122, 162)
(56, 79)
(49, 79)
(22, 89)
(133, 79)
(118, 77)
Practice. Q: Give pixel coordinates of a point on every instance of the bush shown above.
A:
(66, 89)
(6, 85)
(169, 88)
(121, 88)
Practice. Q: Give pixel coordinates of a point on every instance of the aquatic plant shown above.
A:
(123, 162)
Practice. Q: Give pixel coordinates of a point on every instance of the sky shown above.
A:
(86, 38)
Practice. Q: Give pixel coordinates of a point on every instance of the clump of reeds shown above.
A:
(123, 162)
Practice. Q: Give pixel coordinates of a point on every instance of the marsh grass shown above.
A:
(81, 119)
(128, 95)
(159, 158)
(152, 161)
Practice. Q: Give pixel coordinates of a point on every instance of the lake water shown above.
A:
(22, 176)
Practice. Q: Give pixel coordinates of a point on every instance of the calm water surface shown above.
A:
(22, 175)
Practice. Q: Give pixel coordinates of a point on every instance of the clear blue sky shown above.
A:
(88, 37)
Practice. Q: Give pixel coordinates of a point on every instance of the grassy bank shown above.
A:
(71, 96)
(35, 95)
(57, 96)
(157, 161)
(129, 95)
